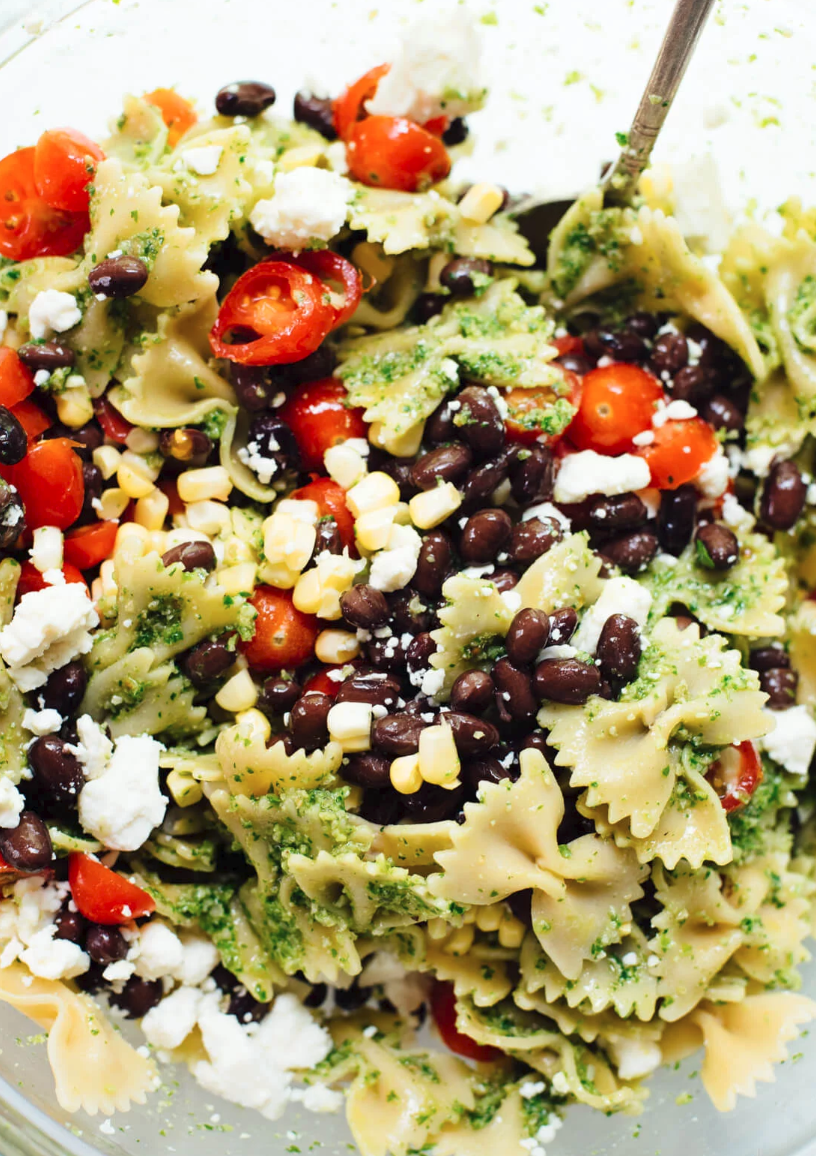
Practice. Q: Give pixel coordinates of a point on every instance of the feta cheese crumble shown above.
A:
(309, 205)
(203, 160)
(793, 740)
(49, 628)
(619, 596)
(588, 473)
(123, 805)
(52, 311)
(712, 480)
(12, 803)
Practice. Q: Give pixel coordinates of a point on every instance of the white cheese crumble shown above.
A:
(52, 310)
(713, 478)
(160, 951)
(12, 804)
(619, 596)
(635, 1058)
(49, 628)
(124, 804)
(27, 931)
(394, 568)
(547, 510)
(588, 473)
(42, 722)
(735, 515)
(253, 459)
(203, 160)
(793, 740)
(674, 411)
(318, 1098)
(309, 205)
(169, 1023)
(51, 958)
(94, 748)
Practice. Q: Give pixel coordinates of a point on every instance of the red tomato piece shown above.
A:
(176, 112)
(527, 408)
(736, 775)
(31, 579)
(284, 636)
(16, 379)
(28, 226)
(113, 424)
(333, 269)
(33, 420)
(87, 546)
(568, 344)
(278, 312)
(319, 417)
(443, 1009)
(50, 483)
(104, 896)
(437, 125)
(64, 165)
(320, 683)
(618, 401)
(394, 153)
(678, 452)
(331, 502)
(348, 108)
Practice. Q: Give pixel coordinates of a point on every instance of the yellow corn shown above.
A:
(288, 541)
(336, 646)
(489, 918)
(208, 517)
(157, 540)
(238, 694)
(185, 790)
(345, 465)
(511, 931)
(349, 724)
(74, 406)
(237, 550)
(305, 511)
(438, 760)
(438, 928)
(134, 483)
(461, 941)
(131, 532)
(480, 202)
(238, 579)
(403, 445)
(278, 574)
(374, 492)
(151, 510)
(405, 776)
(106, 459)
(212, 483)
(434, 506)
(372, 529)
(318, 590)
(142, 441)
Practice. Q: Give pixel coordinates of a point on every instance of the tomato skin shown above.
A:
(443, 1010)
(102, 895)
(392, 152)
(320, 683)
(114, 426)
(87, 546)
(736, 775)
(617, 402)
(28, 226)
(329, 266)
(286, 307)
(176, 112)
(568, 344)
(284, 636)
(31, 579)
(64, 165)
(331, 502)
(16, 379)
(521, 402)
(348, 108)
(50, 483)
(679, 450)
(33, 420)
(317, 415)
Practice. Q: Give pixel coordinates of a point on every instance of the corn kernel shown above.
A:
(47, 548)
(185, 790)
(371, 259)
(489, 918)
(336, 646)
(142, 465)
(238, 579)
(435, 266)
(278, 574)
(308, 592)
(134, 484)
(305, 511)
(208, 517)
(131, 533)
(434, 506)
(345, 464)
(253, 725)
(237, 550)
(461, 941)
(142, 441)
(112, 504)
(318, 590)
(307, 155)
(74, 407)
(157, 540)
(480, 202)
(438, 760)
(106, 459)
(374, 492)
(288, 541)
(238, 694)
(470, 915)
(511, 932)
(372, 529)
(405, 776)
(349, 724)
(402, 445)
(106, 577)
(151, 510)
(209, 483)
(437, 928)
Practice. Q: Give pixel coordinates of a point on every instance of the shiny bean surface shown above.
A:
(209, 661)
(514, 692)
(317, 112)
(26, 847)
(768, 658)
(722, 413)
(472, 692)
(373, 687)
(279, 695)
(472, 735)
(105, 944)
(365, 607)
(780, 685)
(57, 775)
(675, 518)
(12, 516)
(717, 546)
(190, 446)
(118, 277)
(669, 353)
(527, 635)
(13, 439)
(464, 275)
(619, 649)
(533, 475)
(64, 689)
(245, 98)
(307, 720)
(47, 355)
(566, 680)
(783, 496)
(486, 533)
(562, 626)
(621, 512)
(397, 735)
(433, 564)
(479, 422)
(191, 555)
(367, 769)
(533, 538)
(632, 552)
(138, 996)
(448, 463)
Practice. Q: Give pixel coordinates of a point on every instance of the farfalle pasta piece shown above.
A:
(139, 135)
(777, 904)
(94, 1068)
(566, 575)
(481, 973)
(402, 221)
(790, 288)
(413, 845)
(505, 1134)
(508, 843)
(135, 696)
(475, 619)
(802, 633)
(250, 767)
(498, 240)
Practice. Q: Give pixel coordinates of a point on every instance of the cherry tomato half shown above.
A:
(64, 165)
(617, 402)
(318, 416)
(321, 683)
(279, 312)
(104, 896)
(50, 483)
(114, 426)
(349, 106)
(679, 450)
(332, 269)
(443, 1010)
(28, 226)
(568, 344)
(33, 420)
(331, 502)
(284, 636)
(736, 775)
(16, 379)
(528, 409)
(176, 112)
(31, 579)
(87, 546)
(394, 153)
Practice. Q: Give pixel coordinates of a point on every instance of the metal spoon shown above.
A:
(537, 219)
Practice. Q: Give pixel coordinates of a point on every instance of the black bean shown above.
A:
(208, 661)
(562, 626)
(622, 512)
(464, 275)
(397, 735)
(57, 775)
(675, 518)
(532, 475)
(317, 112)
(722, 413)
(367, 769)
(409, 613)
(693, 384)
(537, 741)
(26, 847)
(485, 535)
(631, 552)
(364, 606)
(576, 363)
(644, 324)
(768, 658)
(472, 735)
(105, 944)
(433, 564)
(418, 654)
(278, 695)
(456, 132)
(47, 355)
(245, 1007)
(13, 440)
(783, 496)
(328, 539)
(521, 903)
(619, 649)
(64, 689)
(472, 692)
(717, 546)
(381, 807)
(621, 344)
(307, 720)
(439, 427)
(514, 691)
(566, 680)
(373, 687)
(118, 277)
(527, 635)
(432, 804)
(386, 654)
(12, 516)
(191, 556)
(272, 438)
(187, 445)
(69, 924)
(504, 580)
(252, 386)
(533, 538)
(397, 468)
(485, 770)
(352, 998)
(90, 437)
(245, 98)
(479, 422)
(780, 685)
(317, 996)
(448, 463)
(92, 980)
(316, 366)
(669, 353)
(426, 306)
(138, 996)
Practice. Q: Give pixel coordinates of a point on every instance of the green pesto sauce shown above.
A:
(160, 622)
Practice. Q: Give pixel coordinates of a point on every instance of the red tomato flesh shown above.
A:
(28, 226)
(114, 426)
(50, 484)
(736, 775)
(443, 1009)
(331, 502)
(318, 416)
(176, 112)
(31, 579)
(332, 269)
(16, 379)
(284, 636)
(392, 152)
(33, 420)
(102, 895)
(617, 402)
(64, 165)
(528, 407)
(87, 546)
(349, 106)
(679, 450)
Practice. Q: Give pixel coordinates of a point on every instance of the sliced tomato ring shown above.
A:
(87, 546)
(736, 775)
(28, 226)
(279, 312)
(349, 106)
(332, 269)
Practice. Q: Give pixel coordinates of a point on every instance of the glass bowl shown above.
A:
(564, 77)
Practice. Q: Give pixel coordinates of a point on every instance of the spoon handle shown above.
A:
(682, 34)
